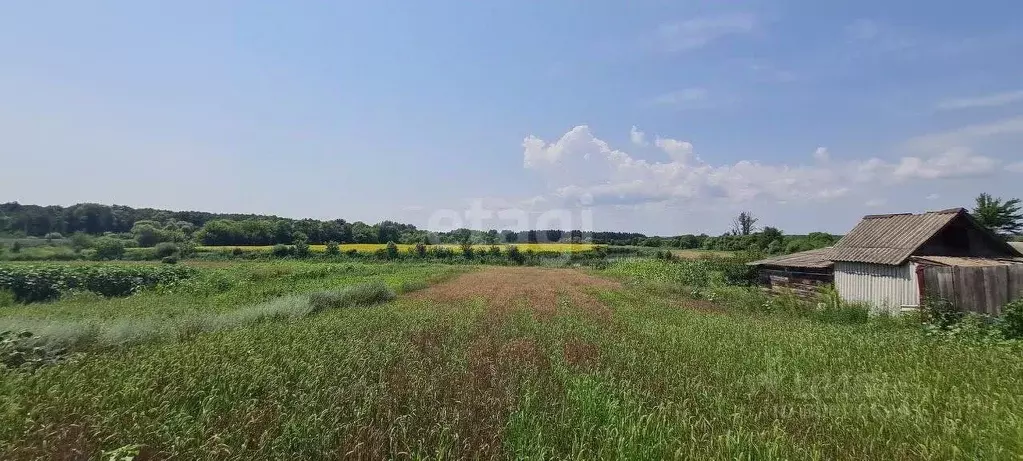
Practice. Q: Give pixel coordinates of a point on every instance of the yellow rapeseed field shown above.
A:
(373, 247)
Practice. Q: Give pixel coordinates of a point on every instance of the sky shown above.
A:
(661, 117)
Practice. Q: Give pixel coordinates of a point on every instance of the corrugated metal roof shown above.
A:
(891, 238)
(968, 261)
(1017, 245)
(819, 258)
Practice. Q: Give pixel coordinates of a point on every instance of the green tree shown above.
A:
(333, 249)
(1002, 218)
(108, 248)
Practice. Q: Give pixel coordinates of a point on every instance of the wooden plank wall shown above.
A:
(984, 290)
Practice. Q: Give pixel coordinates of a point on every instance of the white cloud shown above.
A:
(822, 154)
(873, 203)
(637, 137)
(964, 136)
(689, 97)
(992, 100)
(932, 196)
(582, 165)
(678, 151)
(695, 33)
(1015, 167)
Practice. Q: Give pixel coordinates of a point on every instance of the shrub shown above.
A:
(16, 247)
(514, 255)
(237, 251)
(940, 313)
(392, 250)
(352, 252)
(108, 248)
(50, 237)
(356, 295)
(169, 259)
(81, 241)
(333, 249)
(467, 251)
(280, 250)
(420, 250)
(165, 249)
(302, 249)
(1010, 324)
(494, 250)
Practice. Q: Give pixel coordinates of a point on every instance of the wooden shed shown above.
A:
(881, 261)
(800, 273)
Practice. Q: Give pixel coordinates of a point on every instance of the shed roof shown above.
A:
(1017, 245)
(966, 261)
(892, 238)
(818, 259)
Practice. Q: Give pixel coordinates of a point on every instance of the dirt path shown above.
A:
(506, 288)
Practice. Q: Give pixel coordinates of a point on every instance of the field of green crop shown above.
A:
(636, 372)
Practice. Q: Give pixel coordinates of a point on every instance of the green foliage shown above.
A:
(420, 250)
(1011, 321)
(237, 251)
(281, 251)
(7, 297)
(81, 241)
(51, 236)
(357, 295)
(169, 259)
(165, 249)
(392, 250)
(514, 255)
(16, 247)
(940, 313)
(332, 248)
(302, 249)
(467, 250)
(108, 248)
(34, 283)
(1003, 218)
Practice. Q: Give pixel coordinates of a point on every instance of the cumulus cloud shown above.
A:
(695, 33)
(637, 137)
(932, 196)
(877, 202)
(579, 164)
(1015, 167)
(822, 154)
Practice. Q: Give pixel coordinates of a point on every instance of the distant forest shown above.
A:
(147, 227)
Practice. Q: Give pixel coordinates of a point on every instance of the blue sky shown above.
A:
(660, 117)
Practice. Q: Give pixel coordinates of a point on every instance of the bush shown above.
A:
(81, 241)
(940, 313)
(514, 255)
(356, 295)
(50, 237)
(420, 250)
(302, 249)
(169, 259)
(333, 249)
(392, 250)
(467, 251)
(165, 249)
(1010, 324)
(16, 247)
(108, 248)
(280, 250)
(237, 251)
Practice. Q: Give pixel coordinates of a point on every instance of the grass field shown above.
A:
(373, 247)
(510, 362)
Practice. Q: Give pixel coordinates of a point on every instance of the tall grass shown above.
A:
(417, 379)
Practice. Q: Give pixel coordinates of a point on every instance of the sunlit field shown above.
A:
(302, 360)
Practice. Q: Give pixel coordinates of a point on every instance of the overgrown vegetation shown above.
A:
(646, 374)
(46, 282)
